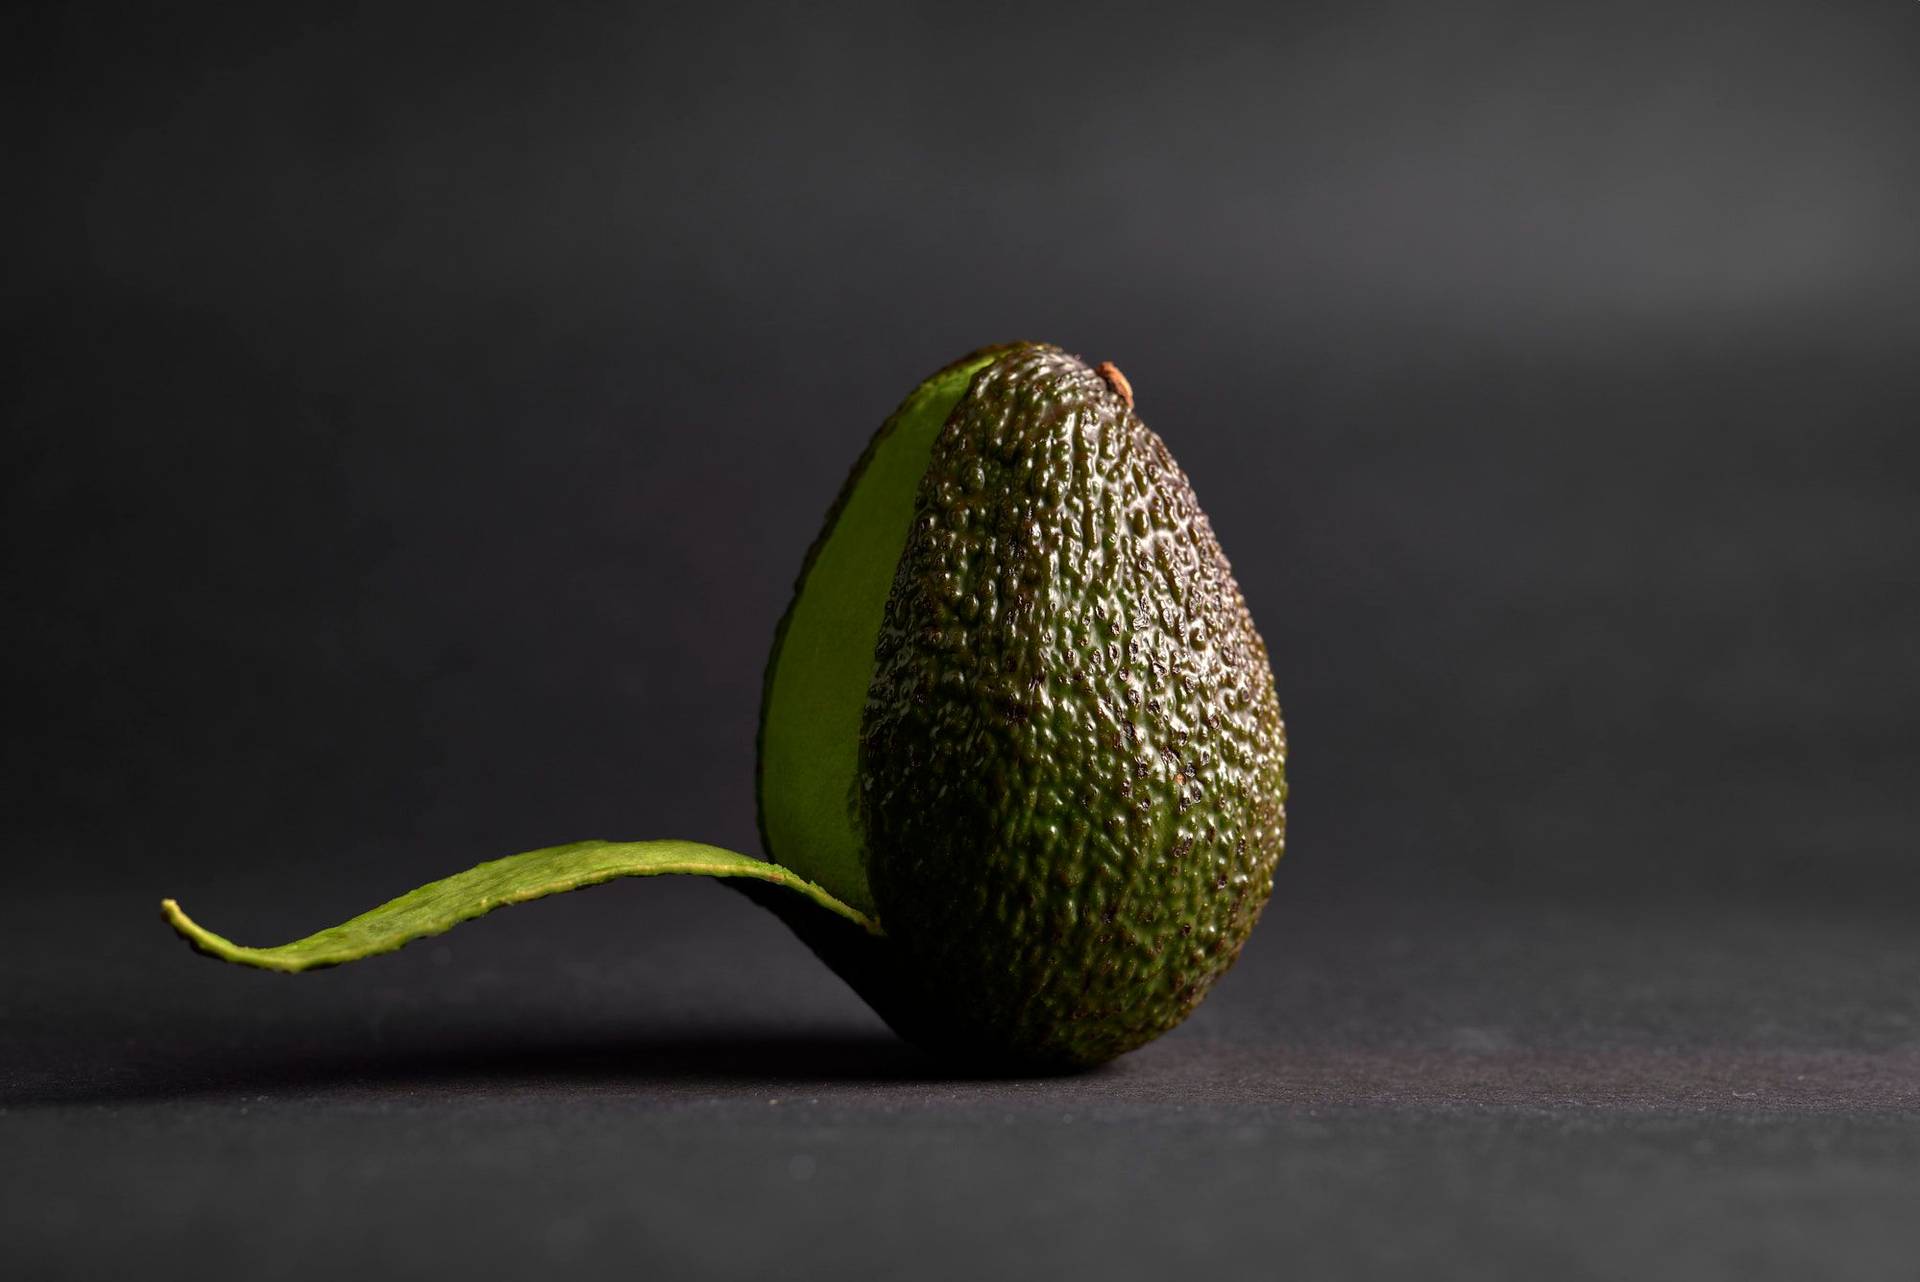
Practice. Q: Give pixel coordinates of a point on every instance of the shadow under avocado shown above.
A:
(721, 1061)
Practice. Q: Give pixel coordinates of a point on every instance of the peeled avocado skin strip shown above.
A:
(441, 905)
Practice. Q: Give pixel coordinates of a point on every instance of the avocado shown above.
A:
(1020, 754)
(1067, 793)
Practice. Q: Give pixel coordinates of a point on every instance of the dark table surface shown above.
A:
(654, 1079)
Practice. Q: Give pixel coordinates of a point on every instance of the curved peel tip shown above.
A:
(205, 942)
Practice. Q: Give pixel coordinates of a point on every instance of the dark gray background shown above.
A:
(418, 418)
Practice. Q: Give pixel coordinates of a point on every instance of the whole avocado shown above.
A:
(1021, 768)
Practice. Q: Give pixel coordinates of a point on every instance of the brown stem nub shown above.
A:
(1116, 380)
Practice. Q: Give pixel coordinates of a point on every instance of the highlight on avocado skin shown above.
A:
(1022, 771)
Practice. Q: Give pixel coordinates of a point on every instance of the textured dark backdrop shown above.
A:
(418, 416)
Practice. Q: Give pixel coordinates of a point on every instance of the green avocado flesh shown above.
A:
(1021, 763)
(823, 652)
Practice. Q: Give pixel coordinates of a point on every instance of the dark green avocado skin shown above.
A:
(1072, 766)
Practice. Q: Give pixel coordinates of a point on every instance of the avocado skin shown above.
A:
(1072, 762)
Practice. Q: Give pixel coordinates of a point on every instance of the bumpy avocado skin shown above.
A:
(1072, 770)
